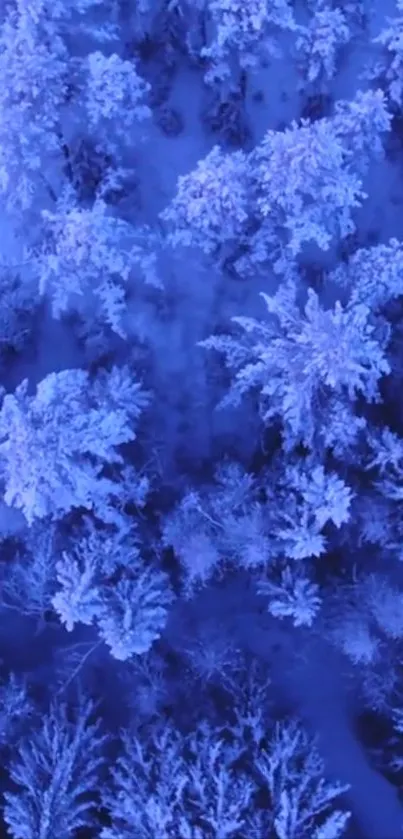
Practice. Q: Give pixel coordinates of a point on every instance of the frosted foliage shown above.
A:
(34, 79)
(324, 493)
(135, 612)
(91, 257)
(220, 794)
(165, 783)
(295, 360)
(104, 580)
(372, 514)
(29, 581)
(148, 783)
(334, 826)
(240, 29)
(63, 16)
(56, 443)
(211, 652)
(199, 557)
(195, 546)
(134, 488)
(115, 95)
(78, 599)
(177, 786)
(16, 708)
(373, 276)
(334, 348)
(303, 183)
(391, 65)
(387, 448)
(300, 504)
(211, 204)
(388, 452)
(293, 772)
(300, 535)
(18, 306)
(57, 772)
(234, 504)
(342, 429)
(360, 124)
(353, 637)
(234, 487)
(33, 72)
(302, 539)
(385, 604)
(222, 525)
(294, 596)
(109, 550)
(39, 10)
(318, 44)
(245, 540)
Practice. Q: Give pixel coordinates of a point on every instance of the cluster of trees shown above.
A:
(115, 572)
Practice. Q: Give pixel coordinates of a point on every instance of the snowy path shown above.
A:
(316, 687)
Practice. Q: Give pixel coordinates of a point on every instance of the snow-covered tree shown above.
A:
(16, 709)
(376, 512)
(220, 795)
(78, 599)
(104, 579)
(304, 185)
(29, 581)
(134, 611)
(353, 636)
(19, 305)
(95, 554)
(293, 596)
(302, 800)
(73, 18)
(41, 11)
(34, 76)
(318, 46)
(168, 784)
(56, 769)
(387, 457)
(384, 601)
(37, 74)
(115, 97)
(222, 525)
(386, 463)
(325, 493)
(371, 519)
(211, 651)
(389, 69)
(299, 362)
(373, 276)
(192, 538)
(360, 124)
(298, 534)
(148, 780)
(211, 205)
(88, 258)
(85, 569)
(241, 33)
(56, 443)
(303, 499)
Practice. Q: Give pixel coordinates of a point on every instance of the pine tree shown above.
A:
(56, 443)
(299, 364)
(56, 769)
